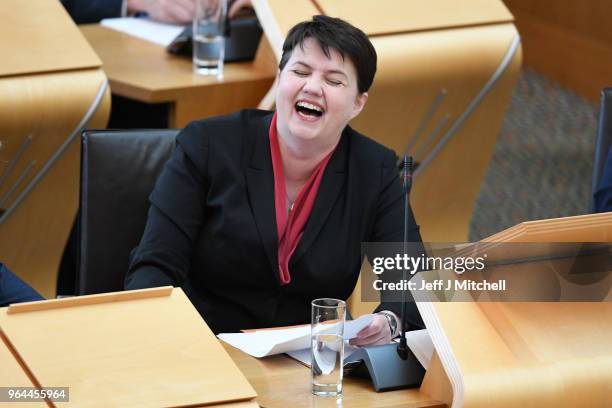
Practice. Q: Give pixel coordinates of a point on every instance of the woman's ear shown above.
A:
(360, 102)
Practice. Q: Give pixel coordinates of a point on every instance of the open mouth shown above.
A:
(309, 109)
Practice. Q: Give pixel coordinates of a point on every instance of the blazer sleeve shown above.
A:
(92, 11)
(163, 256)
(603, 196)
(389, 227)
(14, 290)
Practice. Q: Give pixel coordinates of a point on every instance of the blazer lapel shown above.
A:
(260, 186)
(329, 190)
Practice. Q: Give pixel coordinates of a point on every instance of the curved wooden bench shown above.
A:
(51, 87)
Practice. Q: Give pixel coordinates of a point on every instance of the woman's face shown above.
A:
(317, 96)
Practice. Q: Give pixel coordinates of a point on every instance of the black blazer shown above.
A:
(92, 11)
(603, 194)
(212, 229)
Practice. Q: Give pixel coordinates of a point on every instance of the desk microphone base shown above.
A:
(385, 368)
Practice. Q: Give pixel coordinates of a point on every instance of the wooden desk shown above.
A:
(12, 375)
(278, 380)
(143, 71)
(283, 382)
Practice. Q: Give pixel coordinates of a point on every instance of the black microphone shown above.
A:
(402, 347)
(391, 366)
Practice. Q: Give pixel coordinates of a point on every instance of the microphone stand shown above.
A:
(402, 347)
(391, 367)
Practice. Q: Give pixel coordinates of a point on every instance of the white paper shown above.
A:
(304, 356)
(144, 28)
(269, 342)
(418, 341)
(421, 345)
(352, 327)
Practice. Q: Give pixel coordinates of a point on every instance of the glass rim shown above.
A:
(340, 303)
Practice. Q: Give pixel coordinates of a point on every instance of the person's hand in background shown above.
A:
(167, 11)
(238, 5)
(377, 332)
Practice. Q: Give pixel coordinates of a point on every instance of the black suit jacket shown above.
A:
(92, 11)
(603, 195)
(212, 229)
(14, 290)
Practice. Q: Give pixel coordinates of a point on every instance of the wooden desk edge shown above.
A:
(243, 360)
(153, 94)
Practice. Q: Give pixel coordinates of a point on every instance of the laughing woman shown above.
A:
(257, 213)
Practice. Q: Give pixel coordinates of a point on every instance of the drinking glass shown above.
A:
(327, 346)
(209, 23)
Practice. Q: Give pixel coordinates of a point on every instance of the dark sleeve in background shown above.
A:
(92, 11)
(163, 256)
(389, 227)
(14, 290)
(603, 195)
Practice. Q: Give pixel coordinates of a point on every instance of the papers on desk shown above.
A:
(295, 341)
(421, 346)
(418, 342)
(153, 31)
(304, 356)
(276, 341)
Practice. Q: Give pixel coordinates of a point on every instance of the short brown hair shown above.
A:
(340, 36)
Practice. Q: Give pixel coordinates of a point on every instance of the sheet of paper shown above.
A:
(269, 342)
(303, 356)
(418, 341)
(421, 345)
(153, 31)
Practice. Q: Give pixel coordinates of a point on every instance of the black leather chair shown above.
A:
(118, 172)
(604, 136)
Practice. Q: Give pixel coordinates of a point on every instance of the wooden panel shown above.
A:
(574, 59)
(12, 375)
(397, 16)
(436, 383)
(241, 404)
(277, 19)
(227, 97)
(589, 18)
(557, 354)
(48, 107)
(283, 382)
(579, 228)
(147, 352)
(389, 16)
(570, 42)
(39, 36)
(97, 299)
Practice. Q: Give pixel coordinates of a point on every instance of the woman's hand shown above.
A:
(377, 332)
(237, 6)
(168, 11)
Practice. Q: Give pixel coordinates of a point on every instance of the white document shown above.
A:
(153, 31)
(276, 341)
(421, 345)
(304, 356)
(418, 342)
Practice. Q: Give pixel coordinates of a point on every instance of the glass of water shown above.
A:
(327, 346)
(209, 24)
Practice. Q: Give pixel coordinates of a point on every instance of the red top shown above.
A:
(290, 226)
